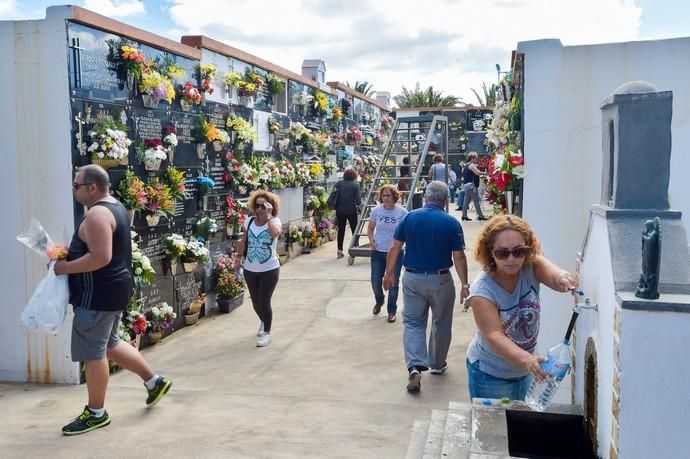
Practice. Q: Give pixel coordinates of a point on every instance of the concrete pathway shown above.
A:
(332, 383)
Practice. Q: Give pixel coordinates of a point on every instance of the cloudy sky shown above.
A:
(453, 45)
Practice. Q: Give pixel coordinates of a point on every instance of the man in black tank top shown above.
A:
(99, 264)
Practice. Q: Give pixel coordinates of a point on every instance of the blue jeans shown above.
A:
(483, 385)
(451, 191)
(378, 269)
(461, 199)
(422, 292)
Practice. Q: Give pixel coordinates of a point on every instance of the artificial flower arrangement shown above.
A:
(273, 126)
(269, 174)
(319, 103)
(336, 115)
(151, 153)
(161, 318)
(329, 167)
(386, 123)
(232, 167)
(345, 105)
(354, 135)
(132, 192)
(243, 129)
(325, 227)
(171, 70)
(295, 235)
(322, 195)
(195, 251)
(321, 142)
(250, 85)
(313, 203)
(175, 179)
(283, 144)
(233, 79)
(143, 272)
(155, 86)
(206, 74)
(302, 176)
(287, 173)
(235, 215)
(338, 139)
(203, 130)
(315, 169)
(222, 137)
(227, 283)
(133, 322)
(174, 246)
(126, 60)
(276, 86)
(160, 202)
(205, 228)
(300, 134)
(190, 95)
(206, 184)
(303, 98)
(108, 140)
(170, 136)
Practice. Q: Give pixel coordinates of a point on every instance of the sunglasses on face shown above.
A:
(517, 252)
(75, 185)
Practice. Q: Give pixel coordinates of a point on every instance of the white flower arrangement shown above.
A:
(303, 98)
(283, 144)
(112, 144)
(196, 251)
(158, 152)
(170, 140)
(222, 136)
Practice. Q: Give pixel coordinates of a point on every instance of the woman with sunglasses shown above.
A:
(261, 265)
(506, 307)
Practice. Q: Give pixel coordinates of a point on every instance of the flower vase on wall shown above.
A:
(130, 80)
(189, 267)
(130, 213)
(171, 153)
(153, 220)
(105, 163)
(509, 201)
(149, 101)
(185, 105)
(201, 150)
(152, 164)
(217, 145)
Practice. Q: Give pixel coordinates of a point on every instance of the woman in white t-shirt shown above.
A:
(382, 223)
(261, 265)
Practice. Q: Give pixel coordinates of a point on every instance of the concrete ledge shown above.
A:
(679, 303)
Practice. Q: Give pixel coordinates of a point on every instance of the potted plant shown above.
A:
(190, 96)
(295, 240)
(203, 132)
(232, 80)
(235, 216)
(175, 179)
(195, 252)
(220, 140)
(193, 310)
(160, 320)
(154, 87)
(159, 202)
(109, 144)
(229, 288)
(132, 194)
(174, 246)
(133, 323)
(152, 153)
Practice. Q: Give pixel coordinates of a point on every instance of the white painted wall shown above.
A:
(597, 280)
(36, 179)
(563, 89)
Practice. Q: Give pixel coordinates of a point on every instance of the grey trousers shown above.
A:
(422, 292)
(471, 194)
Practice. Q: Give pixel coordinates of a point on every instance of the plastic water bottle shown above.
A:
(557, 364)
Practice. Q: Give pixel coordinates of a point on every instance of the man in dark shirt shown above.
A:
(99, 264)
(433, 243)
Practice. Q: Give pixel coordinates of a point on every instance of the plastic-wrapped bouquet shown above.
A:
(195, 251)
(141, 265)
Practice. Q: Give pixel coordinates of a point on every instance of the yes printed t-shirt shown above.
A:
(261, 249)
(519, 313)
(386, 221)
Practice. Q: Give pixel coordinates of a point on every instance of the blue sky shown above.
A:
(453, 45)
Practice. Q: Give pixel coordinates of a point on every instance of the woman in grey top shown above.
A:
(438, 170)
(506, 306)
(347, 205)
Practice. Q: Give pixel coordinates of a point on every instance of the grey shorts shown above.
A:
(93, 332)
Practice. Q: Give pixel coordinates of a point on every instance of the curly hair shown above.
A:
(394, 191)
(268, 196)
(438, 158)
(486, 238)
(350, 174)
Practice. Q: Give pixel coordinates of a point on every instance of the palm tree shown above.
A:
(364, 87)
(426, 98)
(489, 99)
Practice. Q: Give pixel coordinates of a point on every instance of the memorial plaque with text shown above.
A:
(187, 288)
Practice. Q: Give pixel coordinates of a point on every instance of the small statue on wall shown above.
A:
(648, 286)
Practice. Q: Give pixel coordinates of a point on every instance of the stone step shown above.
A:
(434, 437)
(458, 431)
(415, 448)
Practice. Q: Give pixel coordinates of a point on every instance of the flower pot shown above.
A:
(231, 92)
(171, 153)
(171, 265)
(184, 105)
(226, 305)
(149, 101)
(240, 146)
(124, 161)
(130, 213)
(201, 150)
(152, 164)
(247, 101)
(152, 220)
(310, 212)
(509, 201)
(191, 319)
(217, 145)
(130, 80)
(135, 342)
(299, 148)
(105, 163)
(189, 266)
(154, 337)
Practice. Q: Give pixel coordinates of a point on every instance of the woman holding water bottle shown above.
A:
(505, 302)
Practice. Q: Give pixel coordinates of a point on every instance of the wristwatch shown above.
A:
(465, 285)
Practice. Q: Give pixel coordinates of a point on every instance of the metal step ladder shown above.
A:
(412, 138)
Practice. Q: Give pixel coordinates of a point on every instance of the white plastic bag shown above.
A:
(47, 307)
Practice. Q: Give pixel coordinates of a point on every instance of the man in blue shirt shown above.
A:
(433, 243)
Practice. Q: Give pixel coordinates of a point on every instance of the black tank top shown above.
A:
(469, 176)
(109, 288)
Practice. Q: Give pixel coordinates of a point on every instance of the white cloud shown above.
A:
(116, 8)
(8, 9)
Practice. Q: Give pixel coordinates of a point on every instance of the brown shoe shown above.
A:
(391, 318)
(377, 309)
(340, 254)
(414, 381)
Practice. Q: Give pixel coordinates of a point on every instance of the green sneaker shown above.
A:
(86, 422)
(159, 390)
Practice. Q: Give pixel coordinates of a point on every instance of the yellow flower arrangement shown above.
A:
(233, 79)
(315, 169)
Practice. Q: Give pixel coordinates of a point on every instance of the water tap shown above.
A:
(578, 297)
